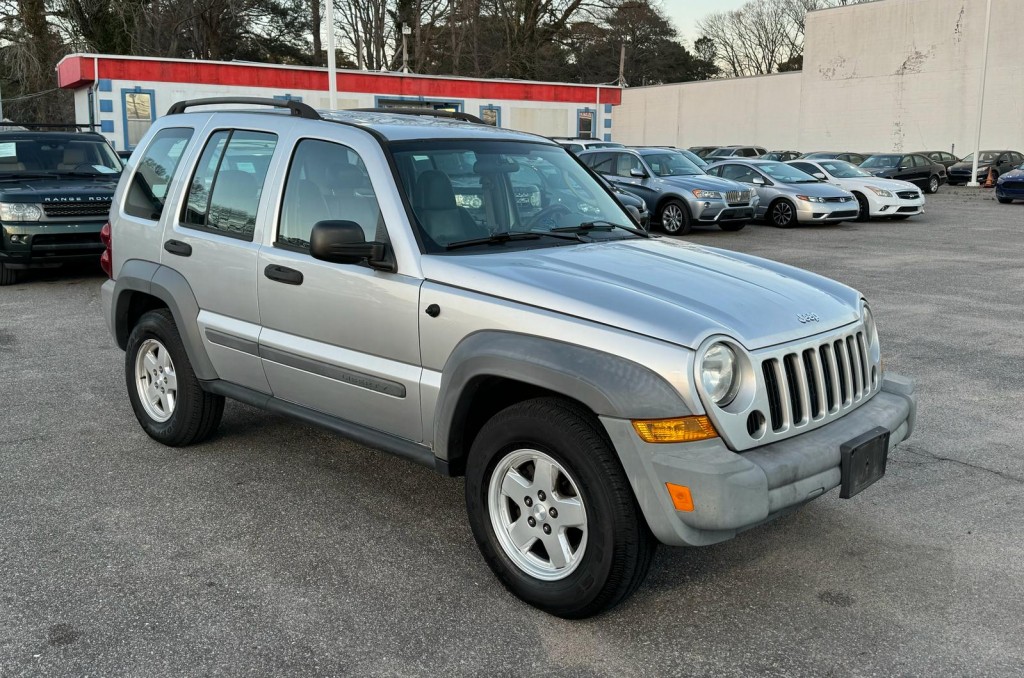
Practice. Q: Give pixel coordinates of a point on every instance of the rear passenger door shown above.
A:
(214, 244)
(342, 339)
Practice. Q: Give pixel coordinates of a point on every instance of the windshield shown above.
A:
(671, 165)
(694, 158)
(472, 190)
(986, 156)
(843, 170)
(720, 152)
(57, 155)
(882, 161)
(787, 174)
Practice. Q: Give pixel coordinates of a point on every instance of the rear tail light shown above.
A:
(107, 258)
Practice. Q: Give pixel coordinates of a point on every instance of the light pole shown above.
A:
(981, 98)
(332, 66)
(406, 31)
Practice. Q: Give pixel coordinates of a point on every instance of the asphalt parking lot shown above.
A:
(278, 548)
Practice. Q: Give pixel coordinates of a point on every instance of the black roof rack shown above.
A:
(49, 125)
(455, 115)
(296, 107)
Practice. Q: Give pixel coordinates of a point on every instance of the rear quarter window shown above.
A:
(157, 167)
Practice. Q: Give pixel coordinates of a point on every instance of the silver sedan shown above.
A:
(787, 195)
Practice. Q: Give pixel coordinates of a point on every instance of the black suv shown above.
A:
(55, 193)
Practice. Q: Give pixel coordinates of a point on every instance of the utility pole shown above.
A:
(406, 30)
(981, 97)
(622, 65)
(332, 65)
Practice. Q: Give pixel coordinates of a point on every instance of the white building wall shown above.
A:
(880, 76)
(762, 110)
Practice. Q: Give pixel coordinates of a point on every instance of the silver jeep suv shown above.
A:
(474, 300)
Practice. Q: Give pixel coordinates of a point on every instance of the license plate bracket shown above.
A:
(863, 461)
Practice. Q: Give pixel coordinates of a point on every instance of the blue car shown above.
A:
(1010, 186)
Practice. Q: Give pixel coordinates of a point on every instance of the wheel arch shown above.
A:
(491, 370)
(144, 286)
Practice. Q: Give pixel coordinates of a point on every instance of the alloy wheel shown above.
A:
(672, 218)
(156, 380)
(782, 213)
(537, 514)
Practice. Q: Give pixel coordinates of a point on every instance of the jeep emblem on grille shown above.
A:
(807, 317)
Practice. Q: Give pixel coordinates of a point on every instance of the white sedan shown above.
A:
(877, 197)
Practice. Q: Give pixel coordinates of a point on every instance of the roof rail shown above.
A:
(48, 125)
(454, 115)
(296, 107)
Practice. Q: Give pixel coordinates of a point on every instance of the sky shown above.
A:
(685, 13)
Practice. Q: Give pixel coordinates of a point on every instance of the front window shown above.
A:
(88, 156)
(786, 174)
(843, 170)
(671, 165)
(882, 161)
(467, 191)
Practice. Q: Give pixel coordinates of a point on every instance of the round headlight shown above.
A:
(870, 330)
(719, 375)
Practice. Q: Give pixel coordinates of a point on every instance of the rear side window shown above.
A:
(226, 187)
(147, 191)
(921, 161)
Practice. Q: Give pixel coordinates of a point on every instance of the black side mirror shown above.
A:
(343, 242)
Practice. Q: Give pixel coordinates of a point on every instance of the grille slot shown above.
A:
(816, 382)
(92, 208)
(737, 197)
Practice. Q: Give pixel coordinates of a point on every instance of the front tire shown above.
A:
(7, 276)
(865, 208)
(675, 218)
(163, 389)
(782, 214)
(1005, 201)
(933, 185)
(552, 511)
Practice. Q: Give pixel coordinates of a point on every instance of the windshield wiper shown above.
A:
(18, 176)
(596, 226)
(507, 236)
(89, 174)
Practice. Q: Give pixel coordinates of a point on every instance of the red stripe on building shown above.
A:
(76, 71)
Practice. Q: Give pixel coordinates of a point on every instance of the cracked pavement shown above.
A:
(280, 549)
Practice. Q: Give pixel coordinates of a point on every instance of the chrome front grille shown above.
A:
(839, 199)
(909, 195)
(818, 382)
(737, 197)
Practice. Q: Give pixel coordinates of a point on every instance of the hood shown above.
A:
(66, 189)
(1015, 175)
(666, 289)
(887, 184)
(966, 166)
(819, 190)
(705, 182)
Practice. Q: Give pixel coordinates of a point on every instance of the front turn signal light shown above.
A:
(679, 430)
(681, 497)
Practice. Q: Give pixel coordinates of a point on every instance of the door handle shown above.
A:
(182, 249)
(283, 274)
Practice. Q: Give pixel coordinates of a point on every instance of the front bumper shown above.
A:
(891, 207)
(719, 211)
(43, 244)
(1009, 189)
(733, 492)
(824, 212)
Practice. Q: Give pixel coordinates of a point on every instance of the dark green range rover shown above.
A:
(55, 193)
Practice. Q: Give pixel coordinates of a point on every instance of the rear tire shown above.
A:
(933, 185)
(176, 411)
(865, 209)
(7, 276)
(675, 218)
(782, 214)
(733, 226)
(596, 566)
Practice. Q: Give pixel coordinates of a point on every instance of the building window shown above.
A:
(138, 115)
(491, 115)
